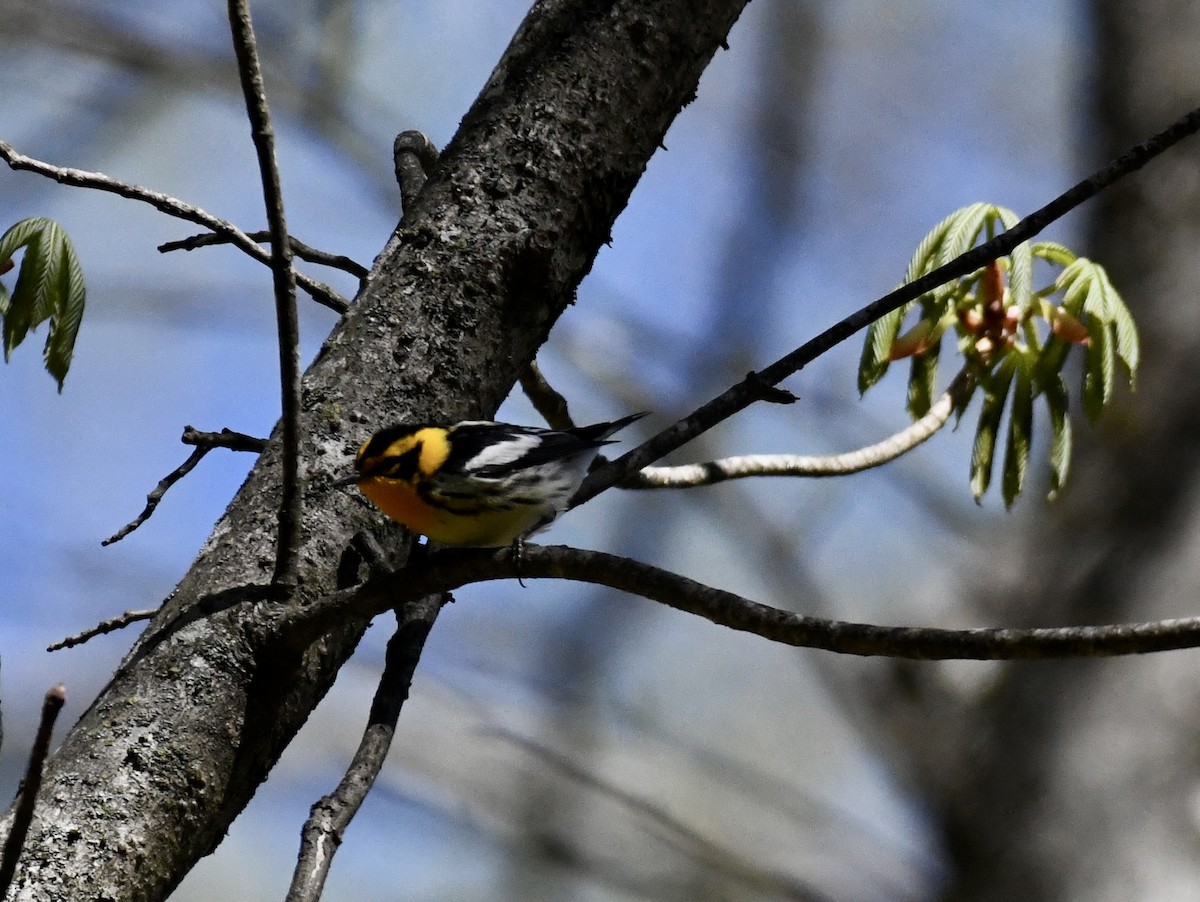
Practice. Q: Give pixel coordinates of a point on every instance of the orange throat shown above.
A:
(401, 502)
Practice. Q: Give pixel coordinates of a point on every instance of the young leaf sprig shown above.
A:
(1015, 341)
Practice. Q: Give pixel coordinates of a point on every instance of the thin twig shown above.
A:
(447, 570)
(226, 438)
(156, 495)
(204, 442)
(23, 815)
(713, 471)
(291, 502)
(304, 251)
(172, 206)
(331, 815)
(750, 390)
(546, 399)
(104, 626)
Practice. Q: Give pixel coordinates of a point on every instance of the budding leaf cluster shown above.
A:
(1015, 341)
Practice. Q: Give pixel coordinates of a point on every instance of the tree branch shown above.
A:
(305, 252)
(331, 815)
(226, 438)
(287, 320)
(446, 570)
(156, 495)
(204, 442)
(414, 157)
(750, 389)
(714, 471)
(23, 817)
(545, 398)
(104, 626)
(172, 206)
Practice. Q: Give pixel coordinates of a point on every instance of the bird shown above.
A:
(477, 483)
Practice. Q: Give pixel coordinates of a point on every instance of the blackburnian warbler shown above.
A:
(477, 483)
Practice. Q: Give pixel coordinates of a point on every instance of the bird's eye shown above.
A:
(401, 466)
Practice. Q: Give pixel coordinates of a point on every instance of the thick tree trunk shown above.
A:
(459, 301)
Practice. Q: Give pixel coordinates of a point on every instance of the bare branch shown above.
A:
(204, 442)
(156, 495)
(172, 206)
(331, 815)
(304, 251)
(449, 569)
(545, 398)
(23, 815)
(713, 471)
(287, 320)
(749, 390)
(226, 438)
(104, 626)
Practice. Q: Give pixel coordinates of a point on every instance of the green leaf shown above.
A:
(1089, 294)
(924, 258)
(877, 348)
(1053, 252)
(49, 287)
(1124, 330)
(995, 393)
(1098, 372)
(19, 236)
(1020, 276)
(1055, 393)
(922, 381)
(64, 329)
(1096, 301)
(1020, 434)
(26, 296)
(964, 230)
(49, 259)
(1005, 215)
(1052, 357)
(1073, 283)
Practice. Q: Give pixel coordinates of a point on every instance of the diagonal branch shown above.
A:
(291, 502)
(331, 815)
(204, 442)
(172, 206)
(155, 496)
(751, 389)
(56, 697)
(111, 625)
(545, 398)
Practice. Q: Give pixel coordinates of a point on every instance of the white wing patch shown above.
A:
(503, 452)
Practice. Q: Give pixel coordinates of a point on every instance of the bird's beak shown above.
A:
(352, 479)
